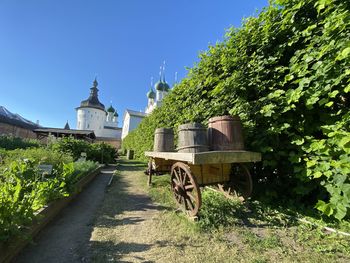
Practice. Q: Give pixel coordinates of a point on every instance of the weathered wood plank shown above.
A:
(185, 157)
(212, 157)
(226, 157)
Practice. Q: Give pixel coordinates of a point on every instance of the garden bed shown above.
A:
(9, 249)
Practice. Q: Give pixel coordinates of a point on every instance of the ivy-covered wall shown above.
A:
(286, 73)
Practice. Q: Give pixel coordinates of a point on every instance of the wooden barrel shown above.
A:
(193, 138)
(163, 140)
(225, 133)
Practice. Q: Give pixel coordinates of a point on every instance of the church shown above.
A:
(132, 119)
(92, 115)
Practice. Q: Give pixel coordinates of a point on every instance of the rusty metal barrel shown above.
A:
(193, 138)
(163, 140)
(225, 133)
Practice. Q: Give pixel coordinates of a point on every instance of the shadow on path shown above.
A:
(126, 211)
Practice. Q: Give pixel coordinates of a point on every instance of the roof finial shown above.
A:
(160, 73)
(95, 83)
(151, 82)
(176, 77)
(164, 71)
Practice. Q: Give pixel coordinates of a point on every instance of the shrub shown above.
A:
(102, 152)
(98, 152)
(11, 142)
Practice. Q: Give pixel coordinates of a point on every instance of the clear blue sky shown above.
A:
(50, 51)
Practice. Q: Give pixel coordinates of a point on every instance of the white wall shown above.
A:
(111, 121)
(91, 119)
(112, 133)
(130, 123)
(126, 123)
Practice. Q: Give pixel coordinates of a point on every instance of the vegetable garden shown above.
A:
(25, 188)
(286, 73)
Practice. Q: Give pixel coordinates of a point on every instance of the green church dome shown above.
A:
(166, 86)
(116, 114)
(151, 94)
(159, 86)
(111, 109)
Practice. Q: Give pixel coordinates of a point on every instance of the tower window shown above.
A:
(88, 125)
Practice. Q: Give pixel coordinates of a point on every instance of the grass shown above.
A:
(265, 233)
(228, 230)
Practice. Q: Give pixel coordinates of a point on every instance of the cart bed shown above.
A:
(212, 157)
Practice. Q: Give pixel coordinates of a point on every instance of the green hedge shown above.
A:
(11, 142)
(286, 73)
(98, 152)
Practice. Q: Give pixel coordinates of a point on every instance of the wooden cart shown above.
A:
(189, 171)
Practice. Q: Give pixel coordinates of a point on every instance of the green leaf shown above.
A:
(324, 208)
(299, 141)
(333, 93)
(347, 88)
(341, 211)
(329, 104)
(317, 174)
(310, 163)
(346, 52)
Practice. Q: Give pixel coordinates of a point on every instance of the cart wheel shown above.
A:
(185, 188)
(151, 167)
(241, 180)
(150, 171)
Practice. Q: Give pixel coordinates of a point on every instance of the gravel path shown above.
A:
(66, 239)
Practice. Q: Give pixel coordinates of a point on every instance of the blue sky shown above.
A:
(50, 51)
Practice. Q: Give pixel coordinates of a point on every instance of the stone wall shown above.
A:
(116, 143)
(8, 129)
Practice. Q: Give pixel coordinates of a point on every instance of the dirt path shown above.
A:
(67, 237)
(124, 231)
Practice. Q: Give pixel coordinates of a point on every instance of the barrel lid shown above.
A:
(164, 130)
(194, 125)
(225, 118)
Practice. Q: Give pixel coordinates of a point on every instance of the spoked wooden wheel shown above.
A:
(150, 171)
(185, 188)
(151, 167)
(241, 180)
